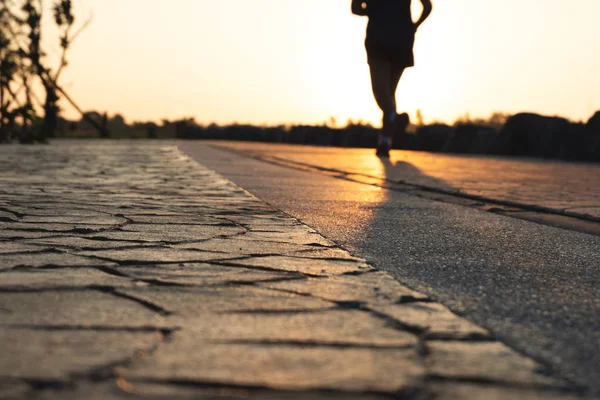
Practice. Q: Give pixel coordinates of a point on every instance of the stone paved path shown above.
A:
(129, 271)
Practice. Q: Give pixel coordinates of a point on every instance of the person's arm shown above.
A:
(427, 7)
(359, 7)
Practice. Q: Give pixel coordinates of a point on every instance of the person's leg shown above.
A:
(401, 121)
(381, 78)
(396, 74)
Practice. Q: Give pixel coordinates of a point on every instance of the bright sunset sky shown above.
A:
(302, 61)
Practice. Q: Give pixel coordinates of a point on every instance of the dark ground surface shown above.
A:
(533, 285)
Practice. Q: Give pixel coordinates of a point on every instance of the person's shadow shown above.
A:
(403, 172)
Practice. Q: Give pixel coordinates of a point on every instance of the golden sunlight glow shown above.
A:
(292, 61)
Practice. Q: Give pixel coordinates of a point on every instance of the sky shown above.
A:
(303, 61)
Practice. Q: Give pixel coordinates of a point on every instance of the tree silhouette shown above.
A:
(23, 66)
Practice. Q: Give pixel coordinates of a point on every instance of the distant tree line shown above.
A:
(523, 134)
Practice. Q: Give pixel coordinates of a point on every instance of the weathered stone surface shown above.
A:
(175, 218)
(61, 278)
(283, 367)
(19, 234)
(192, 232)
(15, 247)
(203, 274)
(49, 259)
(55, 227)
(7, 216)
(283, 237)
(163, 237)
(243, 247)
(462, 391)
(74, 308)
(93, 391)
(368, 288)
(56, 355)
(436, 320)
(164, 391)
(81, 243)
(155, 255)
(106, 220)
(327, 327)
(13, 388)
(190, 302)
(323, 252)
(488, 361)
(306, 266)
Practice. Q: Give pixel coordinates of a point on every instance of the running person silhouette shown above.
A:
(389, 44)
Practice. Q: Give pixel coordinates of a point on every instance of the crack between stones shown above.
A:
(96, 374)
(80, 231)
(396, 324)
(471, 337)
(18, 215)
(362, 306)
(227, 263)
(107, 371)
(312, 344)
(267, 311)
(143, 302)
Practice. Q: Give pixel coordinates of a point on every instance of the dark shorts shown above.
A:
(394, 47)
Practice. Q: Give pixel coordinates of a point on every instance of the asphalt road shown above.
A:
(535, 286)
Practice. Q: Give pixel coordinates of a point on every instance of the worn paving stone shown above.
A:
(13, 389)
(175, 218)
(81, 243)
(282, 367)
(373, 287)
(57, 355)
(159, 391)
(82, 308)
(91, 391)
(123, 389)
(435, 319)
(19, 234)
(49, 259)
(323, 252)
(462, 391)
(163, 237)
(298, 238)
(466, 360)
(272, 217)
(85, 208)
(155, 255)
(192, 232)
(202, 274)
(7, 216)
(105, 220)
(327, 327)
(15, 247)
(55, 227)
(307, 266)
(61, 278)
(244, 247)
(190, 302)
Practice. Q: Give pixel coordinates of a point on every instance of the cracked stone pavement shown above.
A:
(130, 271)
